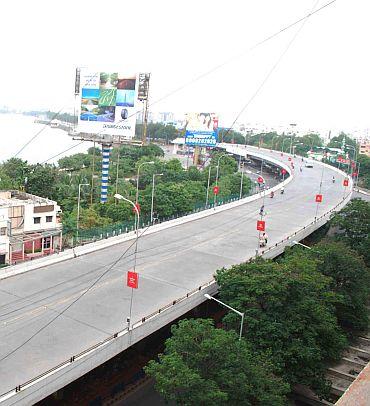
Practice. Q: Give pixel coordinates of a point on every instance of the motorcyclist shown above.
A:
(282, 190)
(272, 194)
(333, 179)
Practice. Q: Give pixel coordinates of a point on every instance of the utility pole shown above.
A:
(143, 95)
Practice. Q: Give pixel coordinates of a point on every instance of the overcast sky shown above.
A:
(323, 79)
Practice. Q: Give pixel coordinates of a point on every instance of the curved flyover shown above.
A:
(176, 263)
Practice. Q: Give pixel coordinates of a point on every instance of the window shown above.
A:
(36, 220)
(49, 219)
(47, 241)
(3, 231)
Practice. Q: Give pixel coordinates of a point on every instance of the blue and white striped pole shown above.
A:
(106, 148)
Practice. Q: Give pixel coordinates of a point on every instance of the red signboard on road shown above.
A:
(216, 189)
(137, 205)
(260, 225)
(318, 199)
(132, 279)
(345, 182)
(283, 171)
(260, 179)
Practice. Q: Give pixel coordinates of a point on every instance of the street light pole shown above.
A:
(241, 181)
(209, 179)
(78, 206)
(302, 245)
(217, 171)
(152, 205)
(137, 213)
(117, 172)
(137, 184)
(231, 308)
(282, 145)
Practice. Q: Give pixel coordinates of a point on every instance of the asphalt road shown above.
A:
(170, 263)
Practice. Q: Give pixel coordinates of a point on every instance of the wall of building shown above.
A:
(4, 239)
(29, 215)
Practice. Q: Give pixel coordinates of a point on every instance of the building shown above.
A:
(364, 148)
(29, 227)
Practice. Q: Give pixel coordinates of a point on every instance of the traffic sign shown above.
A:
(260, 179)
(137, 205)
(345, 182)
(318, 199)
(216, 189)
(260, 225)
(283, 171)
(132, 280)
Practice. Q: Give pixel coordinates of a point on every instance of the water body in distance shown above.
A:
(16, 130)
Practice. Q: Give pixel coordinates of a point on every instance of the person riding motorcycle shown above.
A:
(272, 194)
(333, 179)
(282, 190)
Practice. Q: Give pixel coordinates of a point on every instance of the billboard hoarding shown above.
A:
(107, 103)
(201, 129)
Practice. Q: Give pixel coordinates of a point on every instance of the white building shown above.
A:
(29, 226)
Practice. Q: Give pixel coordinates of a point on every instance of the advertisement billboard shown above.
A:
(201, 129)
(107, 103)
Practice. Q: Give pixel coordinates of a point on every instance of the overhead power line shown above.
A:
(199, 77)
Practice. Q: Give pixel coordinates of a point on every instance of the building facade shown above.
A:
(364, 148)
(29, 227)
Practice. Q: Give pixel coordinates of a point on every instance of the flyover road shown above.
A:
(171, 263)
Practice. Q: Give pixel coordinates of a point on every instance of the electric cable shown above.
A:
(71, 304)
(201, 76)
(304, 20)
(276, 64)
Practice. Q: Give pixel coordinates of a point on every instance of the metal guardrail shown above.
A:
(120, 333)
(144, 319)
(102, 343)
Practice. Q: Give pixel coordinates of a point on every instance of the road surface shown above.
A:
(170, 263)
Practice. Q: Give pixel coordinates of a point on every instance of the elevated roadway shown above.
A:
(176, 264)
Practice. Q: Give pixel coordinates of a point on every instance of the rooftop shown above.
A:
(10, 198)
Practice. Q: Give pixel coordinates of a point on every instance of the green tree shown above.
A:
(289, 313)
(89, 218)
(76, 162)
(350, 278)
(228, 164)
(203, 365)
(17, 170)
(6, 181)
(41, 181)
(353, 222)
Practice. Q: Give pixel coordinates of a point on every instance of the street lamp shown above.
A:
(78, 206)
(241, 180)
(152, 205)
(291, 137)
(217, 171)
(137, 184)
(282, 144)
(137, 213)
(354, 155)
(209, 179)
(206, 295)
(302, 245)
